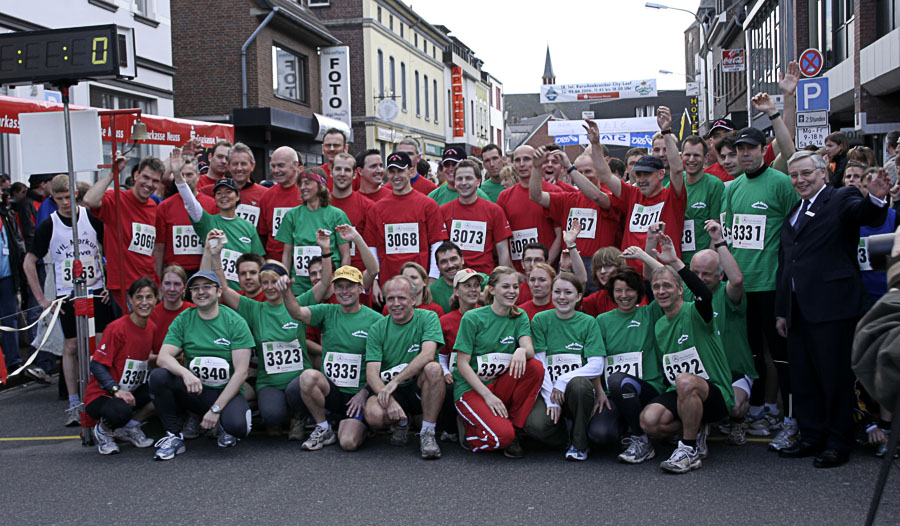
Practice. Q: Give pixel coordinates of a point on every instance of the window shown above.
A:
(113, 100)
(435, 102)
(401, 29)
(380, 74)
(416, 39)
(393, 81)
(427, 107)
(498, 97)
(319, 3)
(418, 105)
(403, 84)
(289, 75)
(473, 118)
(391, 22)
(842, 33)
(379, 15)
(887, 16)
(142, 7)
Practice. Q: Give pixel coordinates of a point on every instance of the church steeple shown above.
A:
(549, 77)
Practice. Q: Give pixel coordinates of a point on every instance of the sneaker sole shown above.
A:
(319, 445)
(573, 458)
(177, 452)
(97, 439)
(679, 470)
(431, 456)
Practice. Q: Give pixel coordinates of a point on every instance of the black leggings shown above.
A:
(761, 332)
(114, 412)
(169, 394)
(630, 395)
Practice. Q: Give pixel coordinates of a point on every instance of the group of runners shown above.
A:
(528, 294)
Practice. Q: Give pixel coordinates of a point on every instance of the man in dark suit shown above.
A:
(819, 299)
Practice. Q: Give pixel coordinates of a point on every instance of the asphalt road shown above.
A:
(269, 480)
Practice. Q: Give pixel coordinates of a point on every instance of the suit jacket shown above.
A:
(819, 262)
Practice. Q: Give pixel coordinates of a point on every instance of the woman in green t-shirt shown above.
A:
(631, 370)
(280, 340)
(569, 345)
(497, 378)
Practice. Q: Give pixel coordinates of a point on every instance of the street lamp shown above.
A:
(653, 5)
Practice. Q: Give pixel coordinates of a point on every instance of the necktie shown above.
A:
(801, 216)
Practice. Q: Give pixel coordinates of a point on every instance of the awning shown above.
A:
(162, 130)
(288, 121)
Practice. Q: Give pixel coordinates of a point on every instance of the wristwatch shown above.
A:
(115, 389)
(327, 255)
(215, 409)
(571, 247)
(721, 244)
(571, 169)
(667, 131)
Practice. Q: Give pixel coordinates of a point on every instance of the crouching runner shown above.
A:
(118, 384)
(216, 343)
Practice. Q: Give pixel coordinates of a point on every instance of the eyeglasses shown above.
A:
(209, 287)
(805, 173)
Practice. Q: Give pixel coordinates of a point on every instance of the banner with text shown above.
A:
(600, 91)
(335, 78)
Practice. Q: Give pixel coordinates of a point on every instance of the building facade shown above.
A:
(151, 90)
(496, 113)
(398, 87)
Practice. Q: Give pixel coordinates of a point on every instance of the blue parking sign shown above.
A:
(812, 95)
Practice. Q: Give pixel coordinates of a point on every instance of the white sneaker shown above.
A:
(319, 438)
(428, 446)
(106, 443)
(135, 435)
(683, 460)
(73, 416)
(577, 455)
(169, 446)
(638, 451)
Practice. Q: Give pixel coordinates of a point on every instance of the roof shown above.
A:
(548, 66)
(302, 17)
(524, 105)
(519, 132)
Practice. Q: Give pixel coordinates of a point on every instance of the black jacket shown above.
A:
(16, 247)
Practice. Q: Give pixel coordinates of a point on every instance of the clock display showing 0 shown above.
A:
(59, 54)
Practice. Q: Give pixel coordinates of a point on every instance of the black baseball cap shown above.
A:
(453, 154)
(36, 179)
(750, 136)
(648, 163)
(228, 182)
(399, 160)
(721, 124)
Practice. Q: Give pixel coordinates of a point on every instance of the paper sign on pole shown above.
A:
(44, 142)
(598, 91)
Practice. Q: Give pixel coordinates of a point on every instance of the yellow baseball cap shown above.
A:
(349, 273)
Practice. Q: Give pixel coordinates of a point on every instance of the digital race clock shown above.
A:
(68, 54)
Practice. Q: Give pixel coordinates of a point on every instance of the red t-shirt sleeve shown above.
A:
(499, 224)
(437, 231)
(111, 343)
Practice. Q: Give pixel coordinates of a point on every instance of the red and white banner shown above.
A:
(732, 60)
(162, 130)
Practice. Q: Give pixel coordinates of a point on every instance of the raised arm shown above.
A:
(191, 205)
(320, 289)
(788, 84)
(300, 313)
(604, 174)
(569, 238)
(534, 184)
(735, 285)
(676, 168)
(349, 233)
(762, 102)
(213, 249)
(93, 198)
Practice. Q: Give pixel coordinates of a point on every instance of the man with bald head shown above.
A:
(730, 314)
(526, 217)
(284, 195)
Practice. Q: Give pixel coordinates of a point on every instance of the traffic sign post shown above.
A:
(813, 95)
(811, 62)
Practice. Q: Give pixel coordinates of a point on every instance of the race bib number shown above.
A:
(519, 239)
(212, 371)
(282, 357)
(451, 363)
(748, 231)
(560, 364)
(628, 363)
(250, 213)
(302, 255)
(389, 374)
(229, 264)
(185, 241)
(401, 238)
(726, 232)
(863, 254)
(277, 216)
(469, 235)
(66, 277)
(343, 368)
(686, 361)
(587, 217)
(143, 237)
(688, 241)
(642, 216)
(134, 374)
(490, 366)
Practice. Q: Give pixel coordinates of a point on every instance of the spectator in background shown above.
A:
(836, 147)
(27, 206)
(618, 167)
(4, 181)
(11, 256)
(508, 176)
(17, 191)
(862, 154)
(890, 164)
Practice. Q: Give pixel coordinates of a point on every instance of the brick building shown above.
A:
(282, 103)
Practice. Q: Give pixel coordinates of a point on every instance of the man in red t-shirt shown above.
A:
(241, 163)
(370, 174)
(218, 164)
(600, 226)
(176, 241)
(405, 226)
(354, 204)
(276, 202)
(333, 142)
(712, 166)
(526, 218)
(552, 169)
(419, 182)
(130, 226)
(478, 226)
(648, 201)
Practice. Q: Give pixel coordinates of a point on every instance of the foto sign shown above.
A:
(598, 91)
(814, 135)
(812, 95)
(335, 78)
(810, 119)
